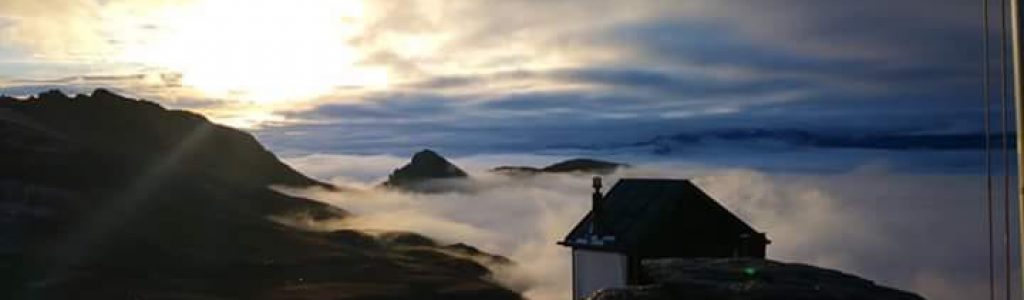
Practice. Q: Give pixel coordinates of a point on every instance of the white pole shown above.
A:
(1017, 98)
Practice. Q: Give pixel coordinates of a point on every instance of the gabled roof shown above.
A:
(638, 210)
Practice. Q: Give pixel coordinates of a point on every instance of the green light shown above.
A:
(750, 271)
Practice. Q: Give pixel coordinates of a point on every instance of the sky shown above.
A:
(475, 76)
(346, 90)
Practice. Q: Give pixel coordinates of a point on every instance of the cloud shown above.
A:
(480, 77)
(539, 121)
(665, 52)
(30, 25)
(897, 229)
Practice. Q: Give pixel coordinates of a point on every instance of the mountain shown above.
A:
(581, 165)
(747, 278)
(105, 197)
(425, 166)
(140, 133)
(761, 139)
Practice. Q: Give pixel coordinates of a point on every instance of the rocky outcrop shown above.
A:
(424, 167)
(748, 278)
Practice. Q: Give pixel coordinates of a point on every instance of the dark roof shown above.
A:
(638, 210)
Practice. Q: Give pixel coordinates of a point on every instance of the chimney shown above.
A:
(596, 218)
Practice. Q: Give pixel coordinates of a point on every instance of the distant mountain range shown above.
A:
(795, 139)
(429, 172)
(105, 197)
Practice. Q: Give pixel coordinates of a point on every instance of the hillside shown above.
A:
(104, 197)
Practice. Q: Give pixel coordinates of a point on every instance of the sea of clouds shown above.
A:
(920, 232)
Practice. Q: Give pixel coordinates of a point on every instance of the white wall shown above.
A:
(595, 270)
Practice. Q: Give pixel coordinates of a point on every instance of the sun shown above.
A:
(261, 51)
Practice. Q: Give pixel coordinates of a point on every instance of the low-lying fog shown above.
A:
(921, 232)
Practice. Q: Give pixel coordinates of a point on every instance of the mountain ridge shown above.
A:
(105, 197)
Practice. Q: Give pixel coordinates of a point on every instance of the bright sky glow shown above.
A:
(269, 51)
(566, 62)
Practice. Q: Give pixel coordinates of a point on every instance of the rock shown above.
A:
(425, 166)
(748, 278)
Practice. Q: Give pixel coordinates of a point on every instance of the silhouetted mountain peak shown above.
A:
(54, 95)
(105, 93)
(141, 134)
(425, 165)
(427, 156)
(582, 165)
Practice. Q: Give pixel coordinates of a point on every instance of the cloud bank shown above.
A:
(899, 230)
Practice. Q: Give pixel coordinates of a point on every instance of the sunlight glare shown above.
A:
(262, 51)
